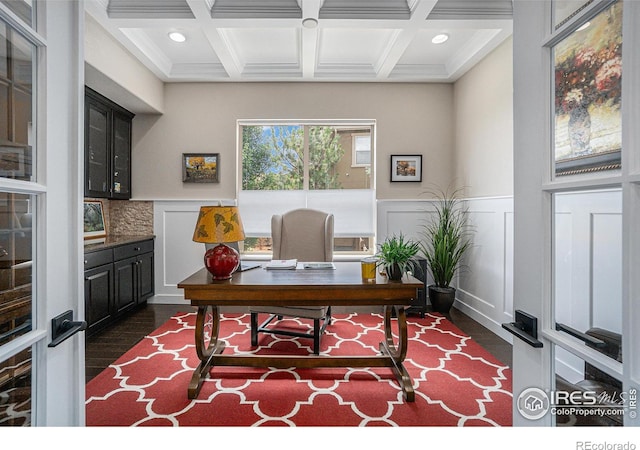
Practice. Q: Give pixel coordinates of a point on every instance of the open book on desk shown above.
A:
(282, 264)
(318, 265)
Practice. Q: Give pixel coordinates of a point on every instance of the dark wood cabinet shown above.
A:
(125, 272)
(98, 295)
(107, 148)
(117, 280)
(133, 268)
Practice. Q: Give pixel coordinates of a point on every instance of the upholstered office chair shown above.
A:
(307, 235)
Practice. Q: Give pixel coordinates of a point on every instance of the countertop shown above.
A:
(111, 241)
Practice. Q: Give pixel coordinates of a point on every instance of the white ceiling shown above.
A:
(264, 40)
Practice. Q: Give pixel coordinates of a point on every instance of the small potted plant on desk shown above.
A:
(446, 239)
(397, 256)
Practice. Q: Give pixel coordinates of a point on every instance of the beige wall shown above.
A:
(201, 117)
(483, 105)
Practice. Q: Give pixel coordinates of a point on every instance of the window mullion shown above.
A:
(306, 159)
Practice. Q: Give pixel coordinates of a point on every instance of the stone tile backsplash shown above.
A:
(127, 217)
(131, 217)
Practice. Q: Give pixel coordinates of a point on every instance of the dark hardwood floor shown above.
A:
(106, 346)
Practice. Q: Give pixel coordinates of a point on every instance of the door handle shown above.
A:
(63, 327)
(525, 327)
(595, 342)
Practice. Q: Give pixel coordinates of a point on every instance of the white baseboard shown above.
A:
(485, 321)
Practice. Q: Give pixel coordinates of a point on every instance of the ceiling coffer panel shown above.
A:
(266, 40)
(143, 9)
(365, 9)
(472, 9)
(256, 9)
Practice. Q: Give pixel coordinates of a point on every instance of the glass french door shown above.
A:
(41, 86)
(577, 204)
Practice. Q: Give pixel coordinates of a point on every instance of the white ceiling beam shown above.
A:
(477, 48)
(309, 52)
(97, 9)
(403, 39)
(309, 37)
(389, 59)
(201, 10)
(220, 46)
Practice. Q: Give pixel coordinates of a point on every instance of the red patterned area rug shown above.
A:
(457, 382)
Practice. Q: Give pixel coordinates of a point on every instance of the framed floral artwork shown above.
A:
(588, 88)
(406, 167)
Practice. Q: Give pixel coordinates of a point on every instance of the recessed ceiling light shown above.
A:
(177, 36)
(440, 38)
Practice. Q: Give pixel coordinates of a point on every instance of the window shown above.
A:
(361, 145)
(306, 165)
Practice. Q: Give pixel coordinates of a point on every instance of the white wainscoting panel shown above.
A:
(485, 288)
(485, 285)
(588, 259)
(587, 255)
(176, 255)
(588, 267)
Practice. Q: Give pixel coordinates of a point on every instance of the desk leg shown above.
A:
(207, 327)
(398, 352)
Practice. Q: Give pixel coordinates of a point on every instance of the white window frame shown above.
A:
(354, 151)
(310, 198)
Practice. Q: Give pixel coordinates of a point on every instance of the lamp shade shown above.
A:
(218, 224)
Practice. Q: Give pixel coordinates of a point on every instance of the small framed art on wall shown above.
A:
(406, 167)
(200, 167)
(94, 220)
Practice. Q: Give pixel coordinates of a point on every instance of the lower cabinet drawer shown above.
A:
(95, 259)
(129, 250)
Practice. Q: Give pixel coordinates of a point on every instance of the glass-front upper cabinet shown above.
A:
(107, 148)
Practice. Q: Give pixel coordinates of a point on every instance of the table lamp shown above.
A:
(218, 225)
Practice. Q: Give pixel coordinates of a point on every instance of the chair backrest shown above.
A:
(304, 234)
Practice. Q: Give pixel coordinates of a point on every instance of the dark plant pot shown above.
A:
(442, 298)
(394, 272)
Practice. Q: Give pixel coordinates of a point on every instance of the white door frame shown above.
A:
(64, 162)
(58, 378)
(533, 197)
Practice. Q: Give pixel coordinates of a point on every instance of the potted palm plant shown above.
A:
(446, 239)
(397, 256)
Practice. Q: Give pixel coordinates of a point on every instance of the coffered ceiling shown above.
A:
(341, 40)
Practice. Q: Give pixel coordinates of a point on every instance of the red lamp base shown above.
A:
(221, 261)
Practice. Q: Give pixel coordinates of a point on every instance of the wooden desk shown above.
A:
(340, 287)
